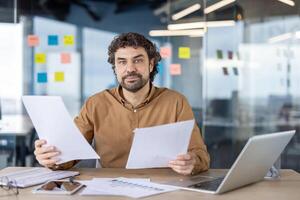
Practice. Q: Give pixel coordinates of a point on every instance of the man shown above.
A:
(109, 117)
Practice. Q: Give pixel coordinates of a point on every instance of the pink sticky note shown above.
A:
(33, 40)
(65, 58)
(175, 69)
(165, 52)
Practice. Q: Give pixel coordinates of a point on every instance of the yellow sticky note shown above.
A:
(184, 53)
(40, 58)
(69, 40)
(59, 76)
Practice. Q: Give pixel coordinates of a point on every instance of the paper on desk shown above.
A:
(156, 146)
(134, 188)
(95, 180)
(54, 124)
(92, 186)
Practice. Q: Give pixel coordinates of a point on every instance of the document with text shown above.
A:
(130, 187)
(155, 146)
(54, 124)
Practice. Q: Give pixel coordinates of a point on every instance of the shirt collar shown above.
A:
(120, 96)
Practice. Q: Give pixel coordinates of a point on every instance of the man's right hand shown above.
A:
(44, 154)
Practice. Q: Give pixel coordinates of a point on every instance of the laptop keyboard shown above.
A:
(208, 185)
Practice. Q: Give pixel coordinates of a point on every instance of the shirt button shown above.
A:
(134, 110)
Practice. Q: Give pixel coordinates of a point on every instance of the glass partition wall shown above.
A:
(251, 78)
(242, 76)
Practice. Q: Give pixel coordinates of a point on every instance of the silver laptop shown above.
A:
(252, 164)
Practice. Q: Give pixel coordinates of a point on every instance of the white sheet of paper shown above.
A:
(134, 188)
(54, 124)
(95, 180)
(155, 146)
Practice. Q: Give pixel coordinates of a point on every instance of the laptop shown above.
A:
(252, 164)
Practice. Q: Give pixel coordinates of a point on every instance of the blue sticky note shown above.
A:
(52, 40)
(42, 77)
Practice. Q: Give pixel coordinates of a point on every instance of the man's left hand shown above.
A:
(184, 164)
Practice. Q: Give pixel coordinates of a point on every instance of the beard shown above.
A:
(135, 85)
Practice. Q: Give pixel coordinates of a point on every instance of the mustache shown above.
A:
(132, 74)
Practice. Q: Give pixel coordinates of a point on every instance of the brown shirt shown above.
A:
(110, 120)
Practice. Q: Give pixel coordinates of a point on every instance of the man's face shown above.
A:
(132, 68)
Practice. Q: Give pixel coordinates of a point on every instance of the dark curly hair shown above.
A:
(134, 40)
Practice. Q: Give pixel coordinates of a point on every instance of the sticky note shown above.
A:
(165, 52)
(33, 40)
(59, 76)
(42, 77)
(225, 71)
(65, 58)
(219, 54)
(230, 55)
(40, 58)
(175, 69)
(68, 40)
(52, 40)
(235, 71)
(184, 53)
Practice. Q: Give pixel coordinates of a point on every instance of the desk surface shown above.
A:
(287, 188)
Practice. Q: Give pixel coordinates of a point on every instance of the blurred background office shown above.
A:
(236, 61)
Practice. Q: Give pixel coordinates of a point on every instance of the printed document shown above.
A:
(154, 147)
(54, 124)
(135, 188)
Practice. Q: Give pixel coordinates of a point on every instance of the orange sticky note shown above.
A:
(65, 58)
(59, 76)
(175, 69)
(184, 53)
(165, 52)
(33, 40)
(40, 58)
(69, 40)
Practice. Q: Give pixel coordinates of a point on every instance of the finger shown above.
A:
(184, 157)
(39, 143)
(48, 162)
(181, 162)
(182, 171)
(43, 150)
(178, 167)
(47, 155)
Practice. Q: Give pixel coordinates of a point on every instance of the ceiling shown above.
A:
(60, 9)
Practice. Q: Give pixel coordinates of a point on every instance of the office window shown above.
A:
(11, 67)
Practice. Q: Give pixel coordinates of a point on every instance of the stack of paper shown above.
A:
(135, 188)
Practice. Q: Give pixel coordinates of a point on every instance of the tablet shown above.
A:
(58, 187)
